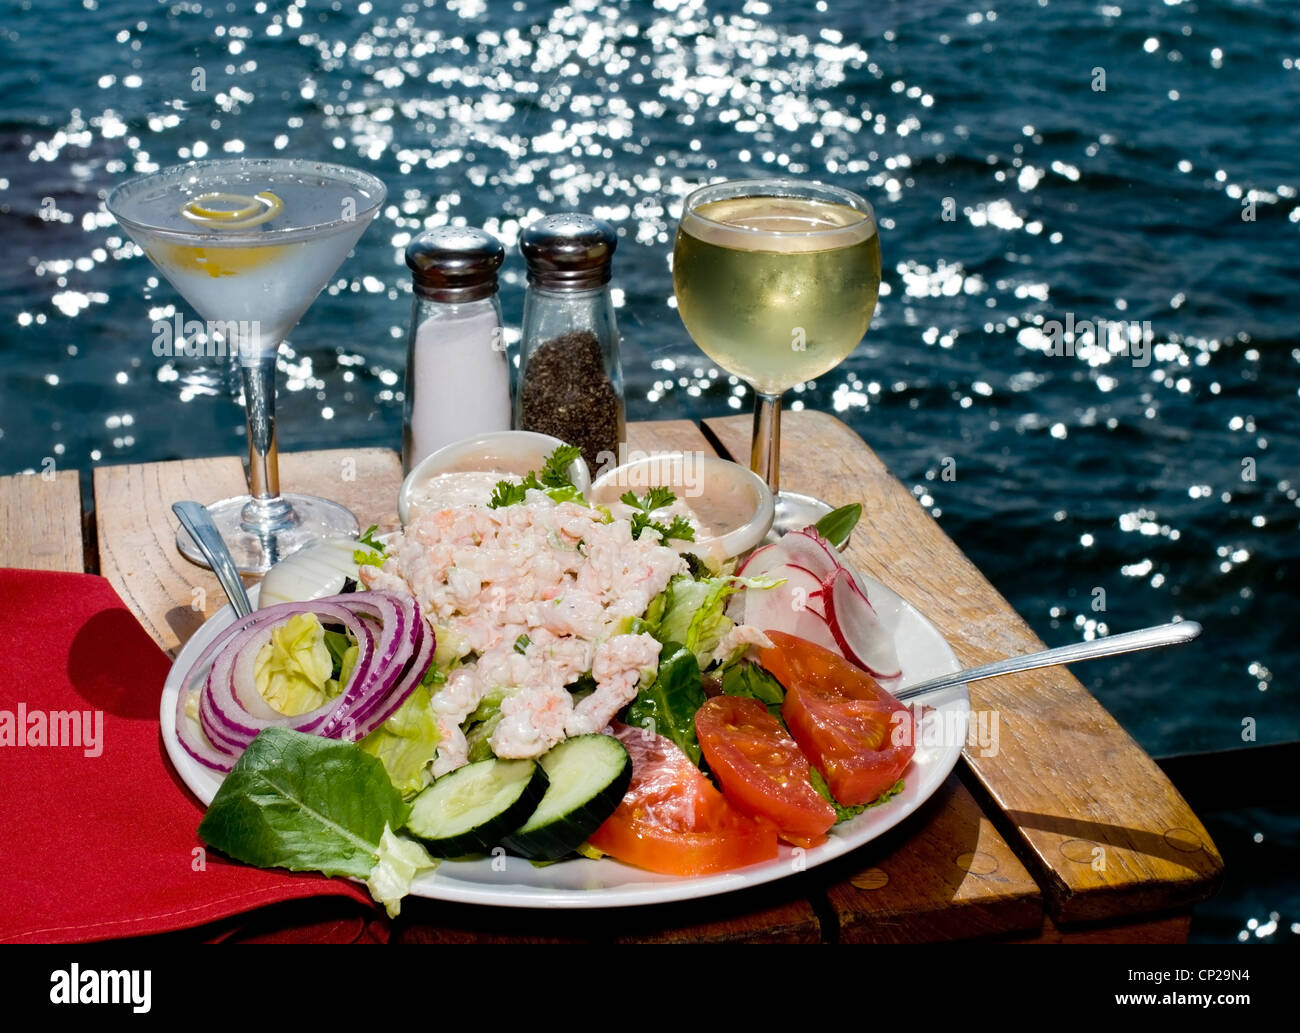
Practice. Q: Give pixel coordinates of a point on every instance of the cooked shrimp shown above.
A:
(535, 590)
(531, 722)
(617, 668)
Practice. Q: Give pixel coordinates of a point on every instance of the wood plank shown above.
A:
(1166, 929)
(944, 874)
(666, 436)
(137, 529)
(776, 913)
(1102, 829)
(40, 522)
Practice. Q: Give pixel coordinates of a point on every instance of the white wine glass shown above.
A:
(776, 280)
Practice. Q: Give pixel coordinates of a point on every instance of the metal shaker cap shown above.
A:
(568, 252)
(455, 263)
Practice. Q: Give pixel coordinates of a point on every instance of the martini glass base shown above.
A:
(310, 520)
(795, 512)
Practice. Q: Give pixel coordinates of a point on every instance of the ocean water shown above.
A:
(1031, 163)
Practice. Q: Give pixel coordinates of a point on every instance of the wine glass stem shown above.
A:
(266, 512)
(765, 456)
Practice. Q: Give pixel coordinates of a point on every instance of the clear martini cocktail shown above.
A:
(249, 243)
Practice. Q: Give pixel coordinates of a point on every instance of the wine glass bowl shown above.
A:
(250, 243)
(776, 281)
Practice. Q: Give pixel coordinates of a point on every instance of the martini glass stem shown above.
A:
(765, 453)
(266, 512)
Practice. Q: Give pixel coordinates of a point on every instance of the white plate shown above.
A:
(582, 883)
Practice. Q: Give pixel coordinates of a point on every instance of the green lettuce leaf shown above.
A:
(838, 524)
(305, 803)
(668, 704)
(692, 612)
(843, 813)
(400, 861)
(448, 648)
(480, 725)
(407, 742)
(753, 682)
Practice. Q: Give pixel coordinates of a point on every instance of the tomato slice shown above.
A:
(672, 820)
(761, 769)
(856, 734)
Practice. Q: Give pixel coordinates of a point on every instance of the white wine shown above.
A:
(776, 290)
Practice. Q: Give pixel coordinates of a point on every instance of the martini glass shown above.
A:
(776, 281)
(249, 243)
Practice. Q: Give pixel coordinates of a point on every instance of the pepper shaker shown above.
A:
(457, 372)
(570, 378)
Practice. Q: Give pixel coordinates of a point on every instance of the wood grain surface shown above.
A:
(40, 522)
(944, 874)
(776, 913)
(137, 528)
(1100, 827)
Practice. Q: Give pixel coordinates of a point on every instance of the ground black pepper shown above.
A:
(566, 392)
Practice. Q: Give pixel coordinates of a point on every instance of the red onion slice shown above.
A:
(395, 648)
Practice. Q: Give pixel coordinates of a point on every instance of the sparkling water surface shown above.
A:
(1030, 162)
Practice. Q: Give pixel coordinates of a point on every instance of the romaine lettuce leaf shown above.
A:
(400, 861)
(667, 705)
(480, 725)
(753, 682)
(305, 803)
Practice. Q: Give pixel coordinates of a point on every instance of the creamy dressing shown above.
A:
(501, 464)
(724, 504)
(471, 487)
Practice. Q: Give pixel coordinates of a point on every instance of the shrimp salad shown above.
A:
(536, 610)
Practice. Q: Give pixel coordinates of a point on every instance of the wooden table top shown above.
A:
(1069, 831)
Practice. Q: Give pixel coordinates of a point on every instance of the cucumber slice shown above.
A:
(469, 810)
(588, 776)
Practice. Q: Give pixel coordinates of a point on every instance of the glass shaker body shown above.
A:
(457, 371)
(570, 382)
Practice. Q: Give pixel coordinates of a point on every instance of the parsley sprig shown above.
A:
(657, 498)
(554, 480)
(555, 471)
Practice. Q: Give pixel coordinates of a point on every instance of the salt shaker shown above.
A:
(570, 379)
(457, 372)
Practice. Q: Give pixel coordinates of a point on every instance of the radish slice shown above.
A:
(766, 560)
(813, 596)
(809, 550)
(762, 560)
(855, 627)
(790, 607)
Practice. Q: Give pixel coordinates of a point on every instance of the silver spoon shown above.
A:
(1112, 645)
(198, 522)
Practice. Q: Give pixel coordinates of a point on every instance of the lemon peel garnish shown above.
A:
(250, 211)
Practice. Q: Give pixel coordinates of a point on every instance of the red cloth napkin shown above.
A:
(97, 840)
